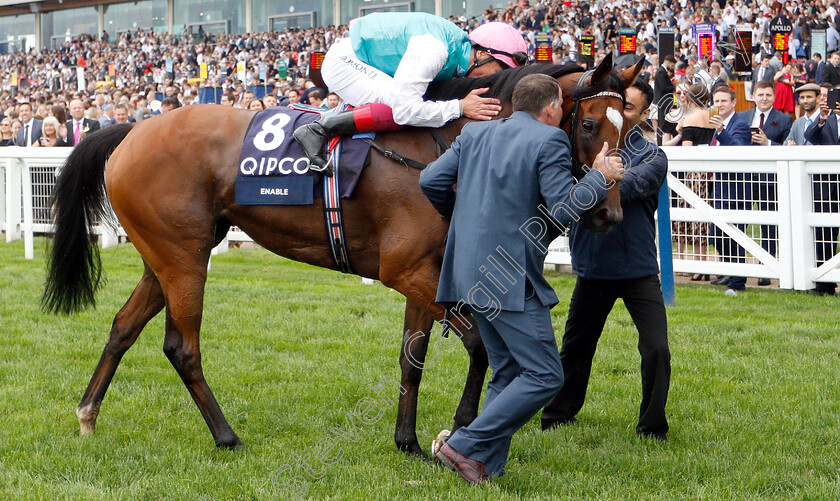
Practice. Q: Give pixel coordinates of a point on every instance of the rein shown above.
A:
(441, 145)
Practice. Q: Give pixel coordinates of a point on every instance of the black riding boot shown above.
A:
(313, 138)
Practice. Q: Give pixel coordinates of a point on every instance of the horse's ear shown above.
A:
(629, 74)
(602, 71)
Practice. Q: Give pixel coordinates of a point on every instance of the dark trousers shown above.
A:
(527, 372)
(592, 301)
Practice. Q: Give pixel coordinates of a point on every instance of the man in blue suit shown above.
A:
(505, 170)
(764, 73)
(825, 130)
(769, 126)
(620, 264)
(729, 191)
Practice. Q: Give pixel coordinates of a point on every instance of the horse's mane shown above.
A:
(501, 84)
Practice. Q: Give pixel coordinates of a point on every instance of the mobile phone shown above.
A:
(833, 98)
(713, 111)
(754, 130)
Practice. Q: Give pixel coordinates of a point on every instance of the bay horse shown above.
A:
(170, 182)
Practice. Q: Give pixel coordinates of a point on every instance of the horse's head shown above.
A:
(593, 114)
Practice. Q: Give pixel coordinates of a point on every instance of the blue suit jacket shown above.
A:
(827, 134)
(736, 133)
(629, 250)
(505, 169)
(35, 133)
(776, 124)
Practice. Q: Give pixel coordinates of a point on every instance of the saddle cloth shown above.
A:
(274, 170)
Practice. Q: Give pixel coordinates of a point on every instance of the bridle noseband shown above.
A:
(573, 116)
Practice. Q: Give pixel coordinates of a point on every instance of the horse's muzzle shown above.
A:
(602, 220)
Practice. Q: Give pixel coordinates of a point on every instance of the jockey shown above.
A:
(389, 60)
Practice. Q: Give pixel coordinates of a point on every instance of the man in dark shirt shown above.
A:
(620, 264)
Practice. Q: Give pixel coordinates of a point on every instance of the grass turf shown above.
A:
(290, 350)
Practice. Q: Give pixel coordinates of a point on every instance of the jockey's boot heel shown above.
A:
(313, 138)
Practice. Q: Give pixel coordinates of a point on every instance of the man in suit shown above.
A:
(77, 127)
(620, 264)
(831, 70)
(769, 126)
(30, 133)
(663, 94)
(764, 73)
(825, 130)
(808, 101)
(729, 191)
(505, 170)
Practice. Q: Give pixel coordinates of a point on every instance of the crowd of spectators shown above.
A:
(141, 70)
(141, 74)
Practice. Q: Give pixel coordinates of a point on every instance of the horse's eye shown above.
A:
(588, 126)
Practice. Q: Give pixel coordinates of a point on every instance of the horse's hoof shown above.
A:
(413, 449)
(87, 419)
(231, 442)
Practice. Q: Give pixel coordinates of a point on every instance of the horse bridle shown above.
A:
(573, 116)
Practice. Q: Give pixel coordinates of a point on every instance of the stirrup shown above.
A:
(326, 170)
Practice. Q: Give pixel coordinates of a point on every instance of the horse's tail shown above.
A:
(79, 201)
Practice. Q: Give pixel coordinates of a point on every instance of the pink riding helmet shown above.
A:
(504, 42)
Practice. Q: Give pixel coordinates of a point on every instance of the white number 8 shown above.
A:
(272, 127)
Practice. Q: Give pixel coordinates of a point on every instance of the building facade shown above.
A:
(46, 24)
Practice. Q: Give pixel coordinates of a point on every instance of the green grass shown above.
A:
(289, 350)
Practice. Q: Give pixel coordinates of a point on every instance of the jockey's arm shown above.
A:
(424, 57)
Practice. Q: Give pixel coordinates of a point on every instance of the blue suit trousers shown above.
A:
(527, 373)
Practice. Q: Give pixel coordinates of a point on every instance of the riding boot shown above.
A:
(313, 138)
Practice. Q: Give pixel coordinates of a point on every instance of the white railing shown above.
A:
(771, 188)
(699, 222)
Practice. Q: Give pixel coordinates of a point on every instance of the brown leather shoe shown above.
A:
(472, 471)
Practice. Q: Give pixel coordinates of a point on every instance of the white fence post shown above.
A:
(5, 170)
(802, 242)
(785, 226)
(13, 195)
(28, 232)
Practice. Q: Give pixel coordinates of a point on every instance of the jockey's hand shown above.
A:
(611, 166)
(480, 108)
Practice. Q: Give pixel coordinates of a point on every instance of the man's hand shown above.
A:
(791, 142)
(717, 123)
(760, 138)
(823, 109)
(611, 166)
(480, 108)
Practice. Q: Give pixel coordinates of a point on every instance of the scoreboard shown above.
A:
(587, 49)
(626, 41)
(706, 44)
(542, 48)
(704, 39)
(316, 60)
(780, 30)
(743, 49)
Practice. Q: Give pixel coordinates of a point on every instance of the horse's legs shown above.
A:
(416, 332)
(420, 287)
(468, 407)
(185, 299)
(145, 302)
